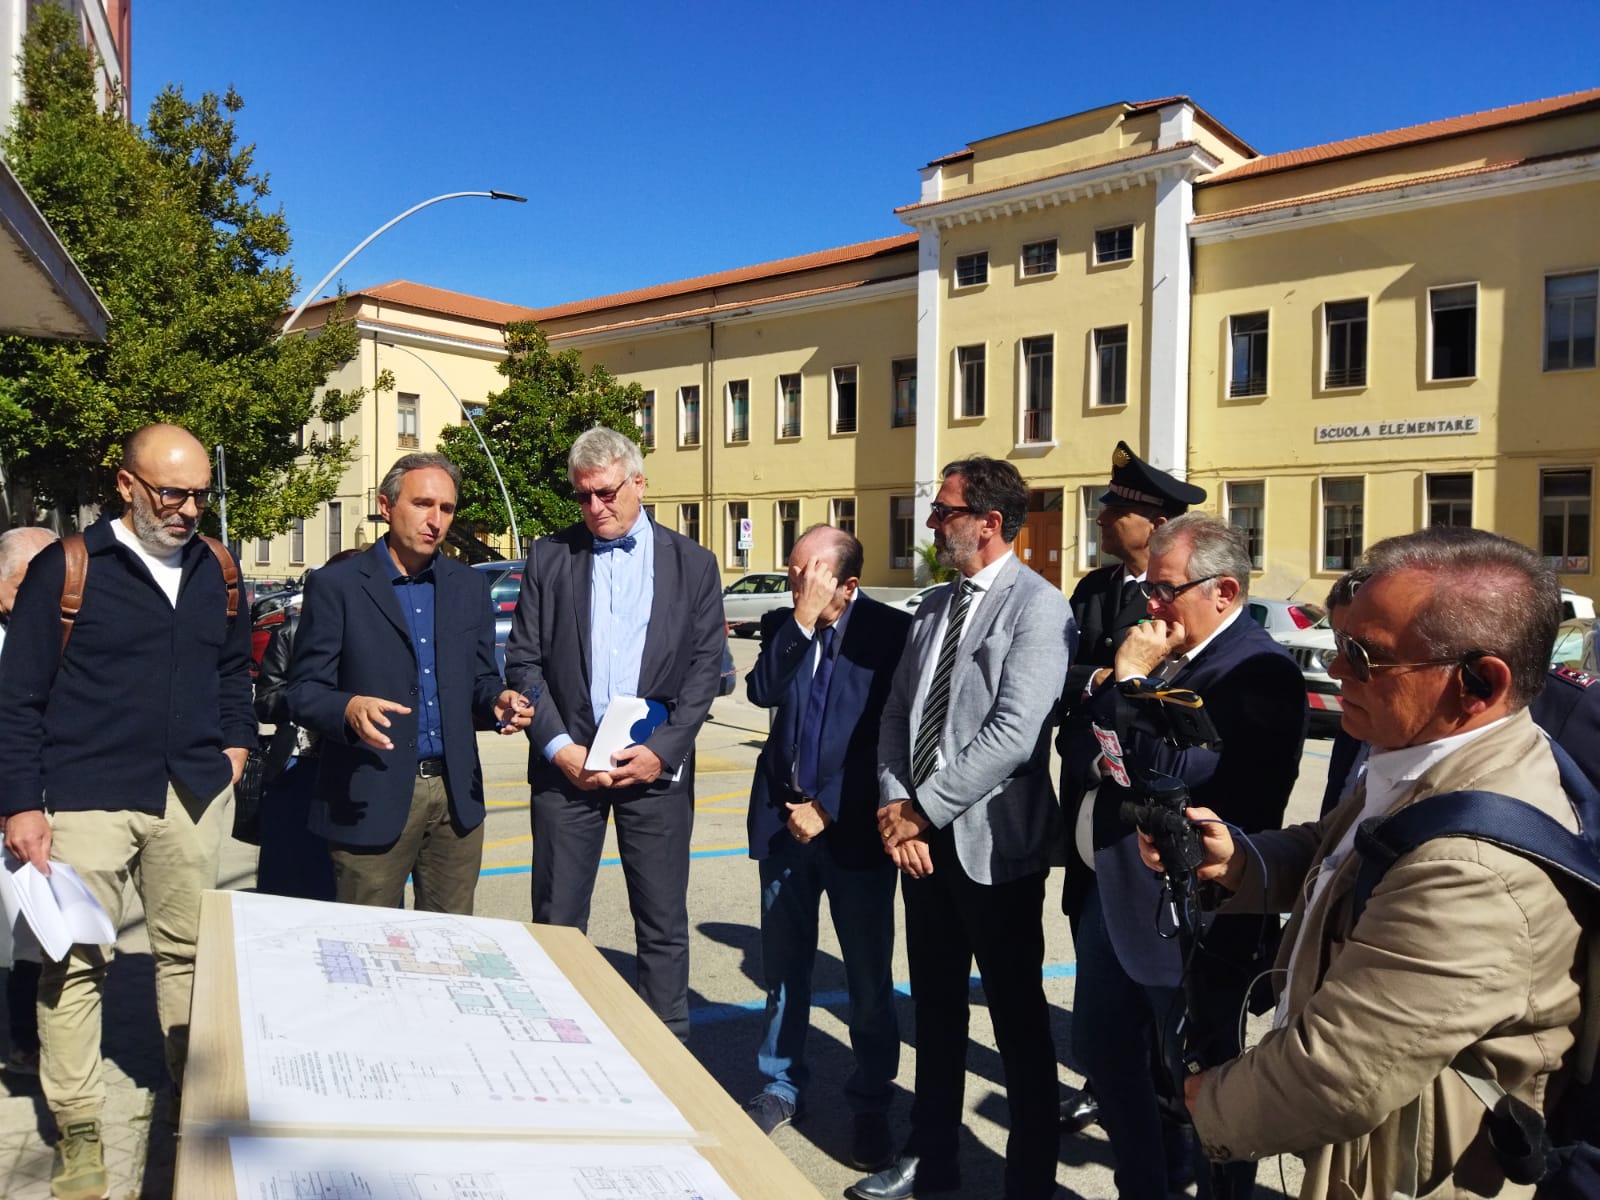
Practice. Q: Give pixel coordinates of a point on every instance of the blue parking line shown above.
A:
(714, 1014)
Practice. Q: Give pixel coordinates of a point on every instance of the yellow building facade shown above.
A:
(1338, 343)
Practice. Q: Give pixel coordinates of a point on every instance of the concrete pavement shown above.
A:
(726, 999)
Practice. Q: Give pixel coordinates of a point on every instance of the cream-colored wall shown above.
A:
(1052, 148)
(819, 466)
(1529, 418)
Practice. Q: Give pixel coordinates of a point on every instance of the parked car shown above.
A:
(1575, 645)
(1313, 651)
(1574, 605)
(914, 601)
(747, 598)
(1284, 616)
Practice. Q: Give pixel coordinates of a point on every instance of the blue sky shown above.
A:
(657, 142)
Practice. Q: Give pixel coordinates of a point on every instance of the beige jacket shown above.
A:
(1461, 945)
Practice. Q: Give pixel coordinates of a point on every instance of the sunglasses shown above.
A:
(1166, 593)
(604, 495)
(1362, 666)
(174, 497)
(943, 512)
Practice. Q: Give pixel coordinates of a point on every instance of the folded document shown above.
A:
(57, 907)
(629, 720)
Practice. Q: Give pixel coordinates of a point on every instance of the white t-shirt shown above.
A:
(166, 569)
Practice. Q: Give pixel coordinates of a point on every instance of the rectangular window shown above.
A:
(1342, 518)
(1247, 350)
(689, 416)
(335, 528)
(689, 521)
(972, 269)
(844, 399)
(842, 513)
(902, 531)
(297, 542)
(1113, 245)
(1088, 530)
(1038, 375)
(1453, 332)
(1345, 344)
(739, 410)
(1569, 320)
(788, 406)
(904, 375)
(263, 551)
(1039, 258)
(970, 364)
(1247, 506)
(406, 419)
(335, 430)
(787, 513)
(647, 420)
(1450, 499)
(1564, 505)
(1111, 365)
(738, 513)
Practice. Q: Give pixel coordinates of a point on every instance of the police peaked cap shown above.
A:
(1134, 481)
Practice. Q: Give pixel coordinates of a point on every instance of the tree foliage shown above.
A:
(168, 226)
(549, 399)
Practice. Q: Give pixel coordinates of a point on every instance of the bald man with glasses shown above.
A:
(1129, 995)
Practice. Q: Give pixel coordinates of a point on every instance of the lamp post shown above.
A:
(378, 232)
(511, 515)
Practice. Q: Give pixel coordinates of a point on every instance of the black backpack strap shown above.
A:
(1486, 816)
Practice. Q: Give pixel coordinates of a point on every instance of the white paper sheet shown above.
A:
(628, 721)
(347, 1169)
(57, 907)
(368, 1017)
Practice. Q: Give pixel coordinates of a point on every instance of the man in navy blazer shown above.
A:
(394, 668)
(826, 666)
(1129, 993)
(617, 606)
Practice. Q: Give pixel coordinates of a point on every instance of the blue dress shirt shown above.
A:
(415, 596)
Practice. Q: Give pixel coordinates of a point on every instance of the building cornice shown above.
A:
(1184, 160)
(408, 335)
(1475, 183)
(738, 312)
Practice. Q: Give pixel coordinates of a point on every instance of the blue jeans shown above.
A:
(794, 878)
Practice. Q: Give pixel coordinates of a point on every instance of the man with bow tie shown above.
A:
(1129, 996)
(617, 606)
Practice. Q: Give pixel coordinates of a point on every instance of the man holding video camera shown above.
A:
(1467, 954)
(1130, 993)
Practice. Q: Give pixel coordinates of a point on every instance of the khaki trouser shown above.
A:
(441, 860)
(171, 859)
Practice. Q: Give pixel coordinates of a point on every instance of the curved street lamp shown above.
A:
(378, 232)
(516, 538)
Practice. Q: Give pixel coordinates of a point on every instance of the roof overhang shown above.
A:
(42, 291)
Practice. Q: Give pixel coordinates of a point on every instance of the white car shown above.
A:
(914, 601)
(1313, 650)
(1574, 605)
(747, 598)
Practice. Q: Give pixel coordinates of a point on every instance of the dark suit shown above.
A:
(549, 648)
(354, 641)
(1128, 996)
(846, 862)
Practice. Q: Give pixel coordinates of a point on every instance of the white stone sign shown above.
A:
(1362, 431)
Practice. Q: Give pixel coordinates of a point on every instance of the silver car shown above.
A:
(747, 598)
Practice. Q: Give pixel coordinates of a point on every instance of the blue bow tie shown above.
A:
(624, 543)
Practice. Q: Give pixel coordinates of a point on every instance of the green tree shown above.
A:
(167, 223)
(549, 399)
(931, 569)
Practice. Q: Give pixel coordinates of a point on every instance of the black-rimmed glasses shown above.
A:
(1362, 666)
(174, 497)
(1166, 593)
(943, 512)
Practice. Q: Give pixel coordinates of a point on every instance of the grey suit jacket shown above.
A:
(682, 664)
(994, 787)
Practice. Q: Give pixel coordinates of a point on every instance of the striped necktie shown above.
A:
(937, 704)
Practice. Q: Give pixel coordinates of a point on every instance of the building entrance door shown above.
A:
(1039, 540)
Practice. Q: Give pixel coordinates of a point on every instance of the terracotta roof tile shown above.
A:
(439, 300)
(771, 270)
(1412, 135)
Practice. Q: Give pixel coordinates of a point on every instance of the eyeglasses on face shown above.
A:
(1362, 666)
(1166, 593)
(604, 495)
(943, 512)
(174, 497)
